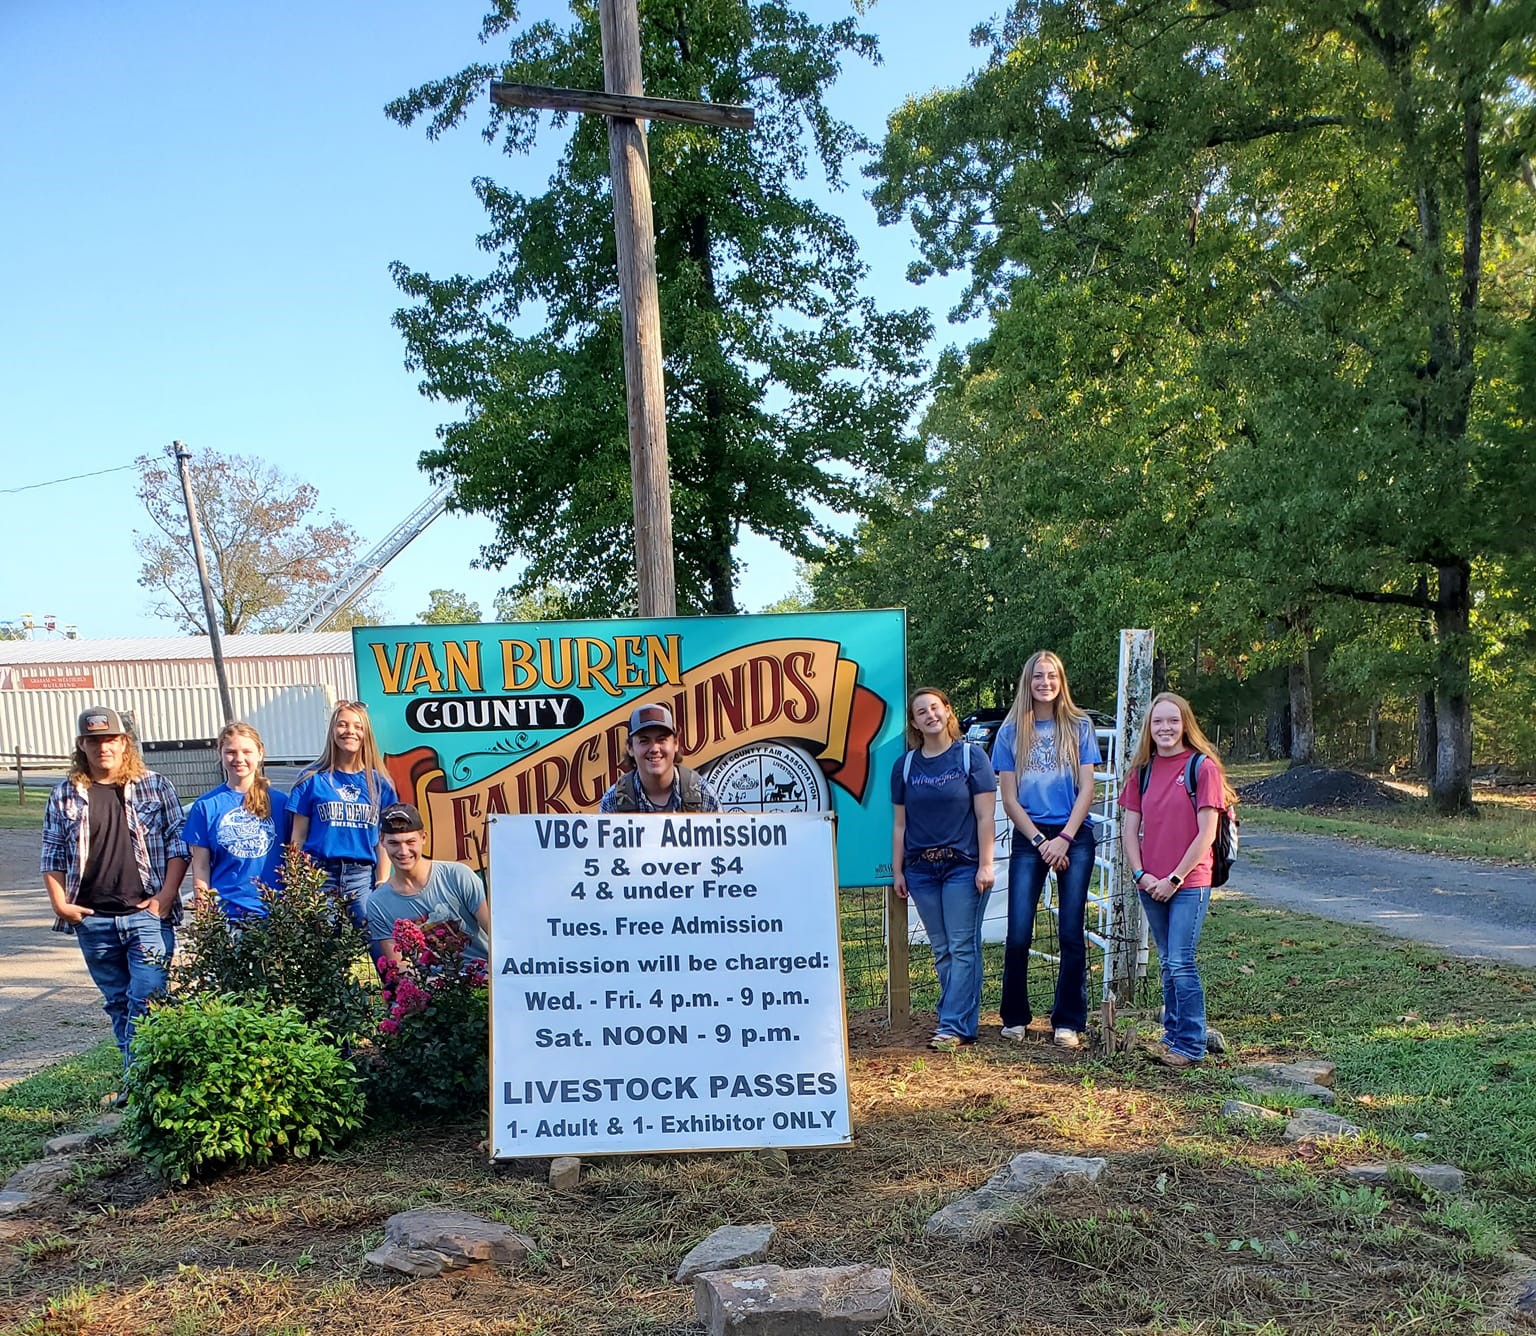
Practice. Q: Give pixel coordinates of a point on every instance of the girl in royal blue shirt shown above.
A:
(236, 831)
(335, 808)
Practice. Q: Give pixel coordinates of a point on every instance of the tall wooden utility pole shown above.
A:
(194, 526)
(625, 105)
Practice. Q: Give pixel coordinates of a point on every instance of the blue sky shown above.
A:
(203, 201)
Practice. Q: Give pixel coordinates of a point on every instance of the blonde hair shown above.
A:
(258, 799)
(1064, 714)
(133, 766)
(370, 756)
(1192, 737)
(951, 728)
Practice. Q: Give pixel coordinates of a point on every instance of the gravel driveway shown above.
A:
(49, 1008)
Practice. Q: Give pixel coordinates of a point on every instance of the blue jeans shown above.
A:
(354, 882)
(1026, 880)
(127, 956)
(1175, 926)
(951, 910)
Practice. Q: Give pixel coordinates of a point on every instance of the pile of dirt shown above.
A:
(1318, 788)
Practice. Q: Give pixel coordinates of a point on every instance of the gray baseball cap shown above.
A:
(100, 721)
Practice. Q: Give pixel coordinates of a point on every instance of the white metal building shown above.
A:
(285, 685)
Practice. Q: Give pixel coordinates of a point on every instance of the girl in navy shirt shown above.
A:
(1045, 753)
(335, 808)
(942, 854)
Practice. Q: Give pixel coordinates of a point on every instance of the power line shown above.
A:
(73, 477)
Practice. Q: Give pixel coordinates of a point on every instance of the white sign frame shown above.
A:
(665, 982)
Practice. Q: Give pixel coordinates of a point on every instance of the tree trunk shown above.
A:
(1373, 735)
(1424, 740)
(1450, 791)
(1303, 736)
(1277, 720)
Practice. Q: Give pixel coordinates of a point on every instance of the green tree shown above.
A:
(447, 607)
(1288, 248)
(787, 391)
(269, 554)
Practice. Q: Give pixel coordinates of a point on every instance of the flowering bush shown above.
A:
(431, 1053)
(300, 954)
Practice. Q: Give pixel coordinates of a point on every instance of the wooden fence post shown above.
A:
(1128, 958)
(897, 971)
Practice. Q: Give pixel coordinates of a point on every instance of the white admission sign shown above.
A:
(665, 983)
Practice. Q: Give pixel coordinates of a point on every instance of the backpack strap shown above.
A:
(1191, 777)
(1143, 778)
(691, 790)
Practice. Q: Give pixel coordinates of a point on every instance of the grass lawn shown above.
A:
(23, 816)
(1198, 1226)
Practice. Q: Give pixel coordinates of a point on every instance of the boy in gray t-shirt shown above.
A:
(423, 889)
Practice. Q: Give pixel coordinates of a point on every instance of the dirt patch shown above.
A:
(1317, 788)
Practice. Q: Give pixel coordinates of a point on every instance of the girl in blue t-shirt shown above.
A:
(943, 792)
(236, 831)
(335, 808)
(1044, 756)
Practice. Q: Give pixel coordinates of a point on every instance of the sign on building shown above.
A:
(783, 713)
(665, 983)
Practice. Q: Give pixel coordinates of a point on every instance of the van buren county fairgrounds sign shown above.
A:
(783, 712)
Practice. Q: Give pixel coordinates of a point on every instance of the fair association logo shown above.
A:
(769, 777)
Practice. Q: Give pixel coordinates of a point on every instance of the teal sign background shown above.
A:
(781, 712)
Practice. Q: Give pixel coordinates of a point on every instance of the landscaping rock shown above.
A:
(1215, 1041)
(1269, 1085)
(565, 1173)
(1513, 1308)
(427, 1242)
(11, 1203)
(728, 1246)
(1318, 1125)
(984, 1211)
(767, 1300)
(1306, 1072)
(775, 1158)
(42, 1176)
(1445, 1178)
(1237, 1109)
(72, 1143)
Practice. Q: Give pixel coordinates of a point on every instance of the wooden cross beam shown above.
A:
(624, 103)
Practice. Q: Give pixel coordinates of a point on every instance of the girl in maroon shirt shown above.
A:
(1167, 834)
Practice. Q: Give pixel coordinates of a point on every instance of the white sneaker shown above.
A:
(1066, 1038)
(1014, 1032)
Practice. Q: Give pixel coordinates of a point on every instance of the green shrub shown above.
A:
(219, 1084)
(300, 955)
(430, 1055)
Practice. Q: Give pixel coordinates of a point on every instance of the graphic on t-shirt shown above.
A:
(1042, 755)
(244, 834)
(352, 809)
(918, 780)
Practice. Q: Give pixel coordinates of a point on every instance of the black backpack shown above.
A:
(1224, 846)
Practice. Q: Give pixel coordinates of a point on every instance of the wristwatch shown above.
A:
(1037, 839)
(1137, 875)
(1175, 880)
